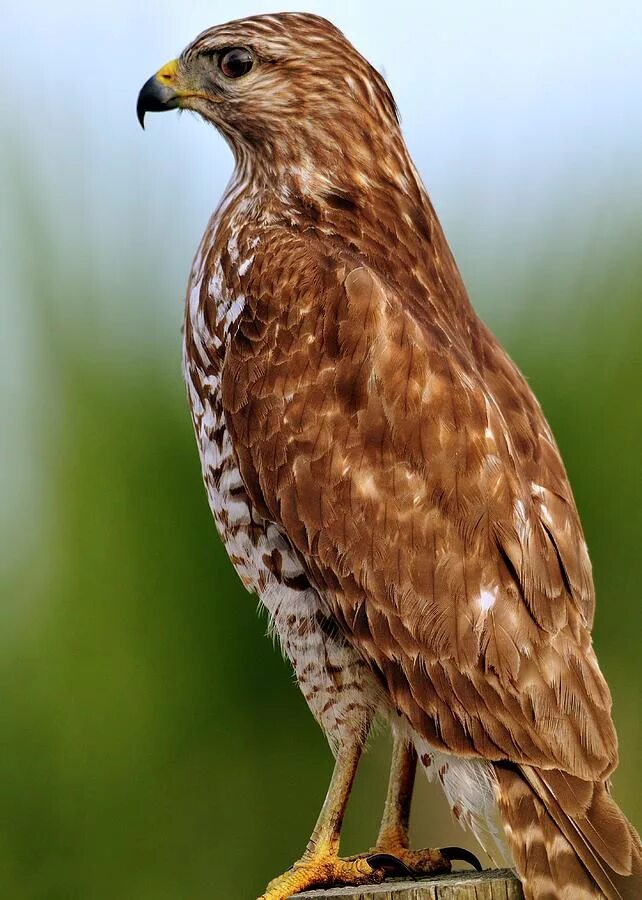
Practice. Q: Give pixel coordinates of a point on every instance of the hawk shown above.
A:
(383, 477)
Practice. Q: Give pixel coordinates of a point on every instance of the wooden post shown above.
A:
(492, 884)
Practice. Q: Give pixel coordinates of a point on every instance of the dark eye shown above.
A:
(236, 62)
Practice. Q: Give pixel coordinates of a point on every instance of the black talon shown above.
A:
(453, 853)
(389, 863)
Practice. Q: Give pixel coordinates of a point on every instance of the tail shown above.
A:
(569, 838)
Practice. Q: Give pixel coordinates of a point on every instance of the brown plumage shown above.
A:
(380, 471)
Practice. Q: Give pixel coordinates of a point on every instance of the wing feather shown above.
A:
(416, 477)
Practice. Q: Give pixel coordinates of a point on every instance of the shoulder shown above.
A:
(289, 264)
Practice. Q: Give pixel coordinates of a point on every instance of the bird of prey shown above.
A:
(383, 477)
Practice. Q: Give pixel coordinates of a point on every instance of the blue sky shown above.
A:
(491, 93)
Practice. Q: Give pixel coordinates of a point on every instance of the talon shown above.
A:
(399, 860)
(459, 853)
(389, 863)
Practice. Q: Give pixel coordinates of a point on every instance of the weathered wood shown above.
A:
(493, 884)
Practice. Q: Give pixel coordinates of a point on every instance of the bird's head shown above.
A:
(277, 86)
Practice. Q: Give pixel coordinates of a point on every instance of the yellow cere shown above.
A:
(167, 75)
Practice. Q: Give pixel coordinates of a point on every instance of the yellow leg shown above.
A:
(392, 849)
(395, 822)
(320, 865)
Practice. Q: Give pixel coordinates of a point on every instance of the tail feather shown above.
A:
(569, 838)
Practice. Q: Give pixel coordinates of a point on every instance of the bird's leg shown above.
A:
(395, 823)
(320, 865)
(393, 839)
(392, 848)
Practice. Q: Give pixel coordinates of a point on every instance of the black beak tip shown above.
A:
(140, 114)
(154, 97)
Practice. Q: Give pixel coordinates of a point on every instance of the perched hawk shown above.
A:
(384, 479)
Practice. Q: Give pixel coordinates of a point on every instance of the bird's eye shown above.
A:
(236, 62)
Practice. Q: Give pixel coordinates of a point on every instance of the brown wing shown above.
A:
(415, 474)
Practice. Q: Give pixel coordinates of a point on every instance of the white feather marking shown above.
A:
(236, 309)
(470, 786)
(233, 247)
(245, 265)
(546, 513)
(486, 599)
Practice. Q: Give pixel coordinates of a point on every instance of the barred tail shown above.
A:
(569, 839)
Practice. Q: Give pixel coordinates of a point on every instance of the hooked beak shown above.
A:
(159, 93)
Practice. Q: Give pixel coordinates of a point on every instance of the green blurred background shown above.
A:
(153, 744)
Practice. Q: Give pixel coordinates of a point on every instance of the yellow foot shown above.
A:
(322, 871)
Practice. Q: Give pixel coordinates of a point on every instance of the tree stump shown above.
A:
(492, 884)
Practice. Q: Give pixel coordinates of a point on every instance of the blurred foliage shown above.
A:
(153, 743)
